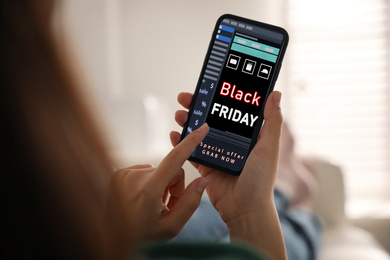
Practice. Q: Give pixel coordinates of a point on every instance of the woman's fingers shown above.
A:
(175, 220)
(185, 99)
(272, 128)
(176, 189)
(139, 166)
(175, 138)
(181, 117)
(172, 163)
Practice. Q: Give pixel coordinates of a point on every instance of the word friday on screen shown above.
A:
(234, 114)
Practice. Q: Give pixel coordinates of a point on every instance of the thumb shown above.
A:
(271, 130)
(174, 221)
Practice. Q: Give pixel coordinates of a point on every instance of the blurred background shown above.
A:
(137, 55)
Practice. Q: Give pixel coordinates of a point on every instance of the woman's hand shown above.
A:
(148, 203)
(235, 195)
(245, 202)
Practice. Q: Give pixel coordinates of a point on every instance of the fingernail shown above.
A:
(202, 128)
(165, 210)
(277, 98)
(202, 185)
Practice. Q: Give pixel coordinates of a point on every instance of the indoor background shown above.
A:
(137, 55)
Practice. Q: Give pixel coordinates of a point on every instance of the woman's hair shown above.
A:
(55, 170)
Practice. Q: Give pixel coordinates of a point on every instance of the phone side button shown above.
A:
(277, 72)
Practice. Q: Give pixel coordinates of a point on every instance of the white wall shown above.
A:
(140, 50)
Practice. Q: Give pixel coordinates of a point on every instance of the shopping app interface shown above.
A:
(232, 91)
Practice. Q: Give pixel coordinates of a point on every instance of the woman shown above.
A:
(59, 197)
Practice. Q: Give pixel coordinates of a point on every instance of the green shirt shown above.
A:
(209, 251)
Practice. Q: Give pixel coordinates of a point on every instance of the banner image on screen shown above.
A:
(239, 72)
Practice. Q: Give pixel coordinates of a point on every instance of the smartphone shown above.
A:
(239, 72)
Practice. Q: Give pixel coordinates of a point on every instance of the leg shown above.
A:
(294, 179)
(302, 230)
(295, 186)
(204, 225)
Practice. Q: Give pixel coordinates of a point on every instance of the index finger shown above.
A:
(172, 163)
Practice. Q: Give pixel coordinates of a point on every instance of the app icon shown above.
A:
(233, 61)
(264, 71)
(249, 66)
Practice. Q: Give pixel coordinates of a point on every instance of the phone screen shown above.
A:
(239, 72)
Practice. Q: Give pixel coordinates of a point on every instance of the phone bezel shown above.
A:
(278, 65)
